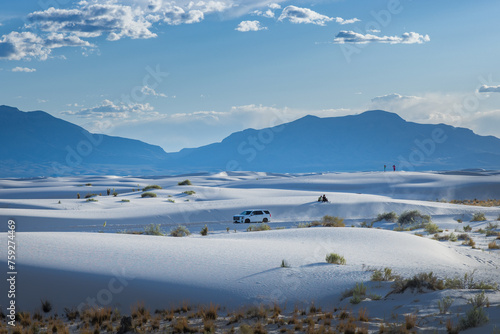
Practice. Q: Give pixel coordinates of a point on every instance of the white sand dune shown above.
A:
(58, 259)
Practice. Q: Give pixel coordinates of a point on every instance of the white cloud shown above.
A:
(274, 6)
(246, 26)
(27, 45)
(358, 38)
(110, 110)
(146, 90)
(93, 20)
(193, 12)
(390, 98)
(23, 69)
(489, 89)
(305, 15)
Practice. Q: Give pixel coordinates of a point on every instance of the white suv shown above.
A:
(253, 216)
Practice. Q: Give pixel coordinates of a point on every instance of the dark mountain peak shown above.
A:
(9, 110)
(380, 115)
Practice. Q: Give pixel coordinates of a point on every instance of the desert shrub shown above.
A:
(357, 293)
(71, 313)
(284, 264)
(78, 195)
(89, 195)
(388, 216)
(491, 226)
(335, 259)
(185, 183)
(453, 237)
(148, 194)
(88, 184)
(152, 186)
(332, 221)
(431, 228)
(46, 306)
(479, 300)
(467, 228)
(367, 225)
(474, 317)
(304, 225)
(153, 229)
(260, 227)
(386, 275)
(418, 282)
(478, 217)
(91, 200)
(204, 230)
(490, 233)
(181, 325)
(444, 304)
(414, 218)
(115, 194)
(171, 200)
(125, 200)
(189, 192)
(180, 231)
(469, 242)
(493, 245)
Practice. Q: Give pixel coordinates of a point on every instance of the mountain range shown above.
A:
(38, 144)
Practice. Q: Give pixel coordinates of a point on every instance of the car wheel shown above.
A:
(265, 220)
(247, 221)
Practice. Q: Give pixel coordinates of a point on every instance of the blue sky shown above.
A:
(188, 73)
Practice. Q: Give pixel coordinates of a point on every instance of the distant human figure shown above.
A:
(394, 167)
(385, 167)
(320, 198)
(325, 199)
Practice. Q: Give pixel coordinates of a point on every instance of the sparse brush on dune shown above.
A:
(152, 186)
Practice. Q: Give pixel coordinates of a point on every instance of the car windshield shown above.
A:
(245, 213)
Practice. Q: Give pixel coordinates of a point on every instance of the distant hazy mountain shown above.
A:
(38, 144)
(350, 143)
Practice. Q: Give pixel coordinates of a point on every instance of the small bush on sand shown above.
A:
(413, 218)
(388, 216)
(148, 194)
(493, 245)
(260, 227)
(386, 275)
(332, 221)
(475, 317)
(152, 186)
(185, 183)
(418, 282)
(335, 259)
(284, 264)
(491, 226)
(304, 225)
(46, 306)
(357, 293)
(91, 200)
(478, 217)
(431, 228)
(467, 228)
(125, 200)
(366, 225)
(189, 192)
(89, 195)
(153, 229)
(180, 231)
(444, 304)
(204, 230)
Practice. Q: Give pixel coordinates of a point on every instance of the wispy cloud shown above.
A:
(298, 15)
(246, 26)
(146, 90)
(489, 89)
(112, 110)
(358, 38)
(23, 69)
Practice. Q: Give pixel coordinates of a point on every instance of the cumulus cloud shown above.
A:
(193, 12)
(27, 45)
(305, 15)
(93, 20)
(489, 89)
(390, 98)
(146, 90)
(23, 69)
(108, 109)
(358, 38)
(246, 26)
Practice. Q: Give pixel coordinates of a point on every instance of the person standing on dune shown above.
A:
(394, 167)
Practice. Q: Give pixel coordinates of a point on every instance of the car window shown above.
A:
(246, 213)
(266, 212)
(258, 213)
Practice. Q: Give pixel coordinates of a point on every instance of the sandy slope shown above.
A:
(231, 268)
(59, 260)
